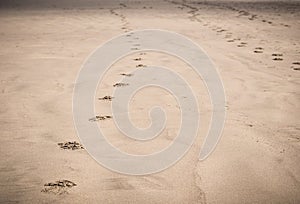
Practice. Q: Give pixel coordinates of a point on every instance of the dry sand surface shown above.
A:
(254, 44)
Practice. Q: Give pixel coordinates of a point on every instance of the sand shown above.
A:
(254, 44)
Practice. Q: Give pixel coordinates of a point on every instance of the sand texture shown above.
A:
(254, 44)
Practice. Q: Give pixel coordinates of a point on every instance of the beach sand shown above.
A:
(255, 46)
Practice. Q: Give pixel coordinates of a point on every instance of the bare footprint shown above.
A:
(295, 68)
(127, 75)
(220, 31)
(277, 55)
(258, 50)
(58, 187)
(140, 65)
(70, 145)
(98, 117)
(108, 98)
(242, 44)
(120, 84)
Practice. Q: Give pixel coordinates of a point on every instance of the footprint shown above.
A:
(120, 84)
(258, 50)
(297, 68)
(128, 75)
(140, 65)
(70, 145)
(109, 98)
(277, 59)
(277, 55)
(98, 117)
(220, 31)
(137, 59)
(58, 187)
(252, 17)
(242, 44)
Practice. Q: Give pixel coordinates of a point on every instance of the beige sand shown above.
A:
(257, 160)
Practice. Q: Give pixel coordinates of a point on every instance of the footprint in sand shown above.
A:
(58, 187)
(120, 84)
(137, 59)
(98, 117)
(140, 66)
(277, 57)
(221, 30)
(296, 66)
(127, 75)
(70, 145)
(258, 50)
(242, 44)
(123, 5)
(233, 40)
(252, 17)
(106, 98)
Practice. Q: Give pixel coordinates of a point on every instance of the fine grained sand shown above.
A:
(255, 46)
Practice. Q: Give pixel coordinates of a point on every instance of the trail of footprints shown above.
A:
(125, 23)
(227, 34)
(132, 39)
(63, 186)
